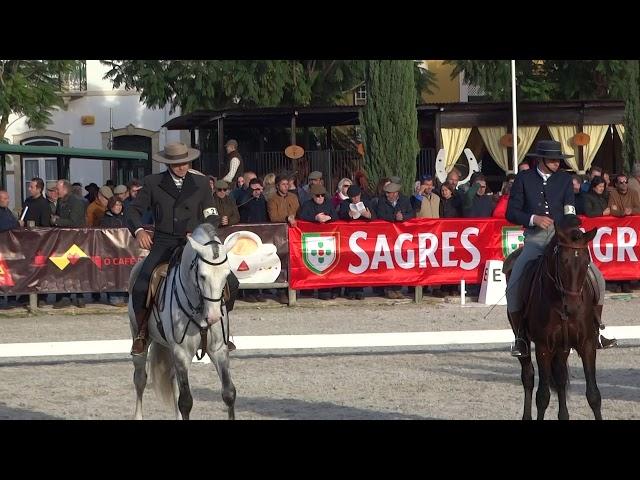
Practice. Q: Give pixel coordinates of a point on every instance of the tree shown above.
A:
(631, 148)
(390, 121)
(215, 84)
(31, 88)
(544, 80)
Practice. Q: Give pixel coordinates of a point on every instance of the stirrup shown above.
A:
(231, 346)
(519, 353)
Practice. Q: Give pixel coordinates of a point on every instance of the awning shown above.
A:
(71, 152)
(268, 117)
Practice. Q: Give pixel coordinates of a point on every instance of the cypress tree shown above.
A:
(631, 149)
(390, 121)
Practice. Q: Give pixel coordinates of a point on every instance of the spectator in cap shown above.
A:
(97, 209)
(319, 210)
(314, 178)
(355, 208)
(394, 207)
(121, 192)
(52, 196)
(357, 212)
(226, 206)
(233, 163)
(341, 193)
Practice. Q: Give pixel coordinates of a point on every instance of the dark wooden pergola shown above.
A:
(431, 117)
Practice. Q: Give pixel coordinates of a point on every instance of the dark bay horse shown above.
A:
(559, 315)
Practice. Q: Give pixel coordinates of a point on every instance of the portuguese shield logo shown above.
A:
(512, 240)
(320, 251)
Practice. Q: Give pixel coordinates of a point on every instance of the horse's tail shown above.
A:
(161, 373)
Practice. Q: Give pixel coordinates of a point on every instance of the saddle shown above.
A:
(155, 283)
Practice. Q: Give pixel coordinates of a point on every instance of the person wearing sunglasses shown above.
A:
(253, 205)
(226, 205)
(319, 210)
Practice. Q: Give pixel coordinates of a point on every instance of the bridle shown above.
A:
(198, 309)
(557, 280)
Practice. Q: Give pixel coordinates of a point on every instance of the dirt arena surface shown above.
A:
(441, 382)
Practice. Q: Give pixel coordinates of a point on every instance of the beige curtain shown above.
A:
(491, 137)
(596, 134)
(564, 134)
(453, 142)
(526, 135)
(620, 130)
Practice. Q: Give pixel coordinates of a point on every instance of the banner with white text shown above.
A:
(435, 251)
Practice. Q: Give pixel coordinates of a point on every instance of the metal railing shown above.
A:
(334, 164)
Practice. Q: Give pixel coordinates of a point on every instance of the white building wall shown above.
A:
(99, 98)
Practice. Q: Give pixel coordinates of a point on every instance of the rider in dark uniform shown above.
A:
(539, 197)
(179, 201)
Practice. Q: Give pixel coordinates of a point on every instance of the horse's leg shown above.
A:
(527, 376)
(140, 381)
(544, 374)
(176, 397)
(220, 358)
(588, 355)
(560, 376)
(182, 361)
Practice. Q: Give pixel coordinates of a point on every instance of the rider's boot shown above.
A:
(603, 342)
(520, 347)
(139, 346)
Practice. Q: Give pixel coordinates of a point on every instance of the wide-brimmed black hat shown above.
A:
(548, 149)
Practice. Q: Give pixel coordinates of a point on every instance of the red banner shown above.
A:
(435, 251)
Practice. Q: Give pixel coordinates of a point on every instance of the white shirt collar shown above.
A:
(177, 180)
(545, 176)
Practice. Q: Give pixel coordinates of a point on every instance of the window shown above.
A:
(360, 96)
(44, 167)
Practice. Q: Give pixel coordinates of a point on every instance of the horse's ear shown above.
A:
(195, 245)
(588, 236)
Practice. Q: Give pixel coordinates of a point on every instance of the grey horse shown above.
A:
(192, 302)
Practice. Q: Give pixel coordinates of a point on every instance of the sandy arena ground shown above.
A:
(457, 382)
